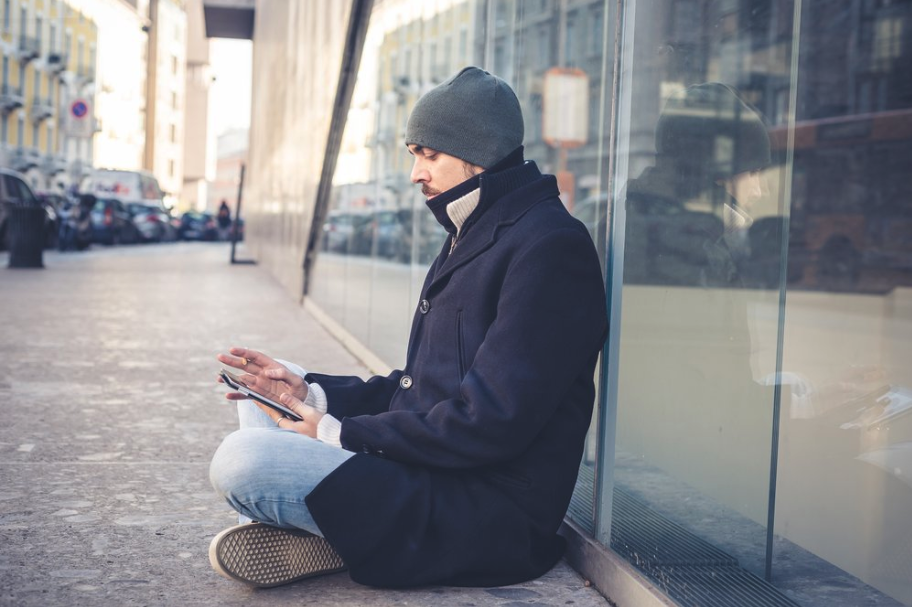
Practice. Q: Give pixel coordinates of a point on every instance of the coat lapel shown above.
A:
(501, 216)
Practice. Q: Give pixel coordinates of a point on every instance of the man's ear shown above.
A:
(470, 170)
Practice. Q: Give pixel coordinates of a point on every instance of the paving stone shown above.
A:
(111, 414)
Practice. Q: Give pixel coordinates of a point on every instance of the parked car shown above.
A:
(15, 190)
(126, 186)
(196, 225)
(111, 222)
(349, 232)
(153, 223)
(392, 234)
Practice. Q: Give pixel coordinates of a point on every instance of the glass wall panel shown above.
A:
(694, 404)
(762, 435)
(845, 461)
(379, 237)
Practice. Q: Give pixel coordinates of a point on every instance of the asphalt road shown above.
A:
(110, 414)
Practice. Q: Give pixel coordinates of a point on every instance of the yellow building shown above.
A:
(48, 52)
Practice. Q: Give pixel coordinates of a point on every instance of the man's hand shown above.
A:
(310, 416)
(272, 379)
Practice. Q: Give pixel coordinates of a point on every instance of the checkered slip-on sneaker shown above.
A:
(265, 556)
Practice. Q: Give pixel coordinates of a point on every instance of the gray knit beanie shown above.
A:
(474, 116)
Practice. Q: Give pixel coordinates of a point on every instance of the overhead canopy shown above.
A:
(229, 18)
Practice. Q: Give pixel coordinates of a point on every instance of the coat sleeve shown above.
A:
(348, 396)
(551, 322)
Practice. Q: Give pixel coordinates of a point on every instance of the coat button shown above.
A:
(365, 449)
(406, 382)
(424, 306)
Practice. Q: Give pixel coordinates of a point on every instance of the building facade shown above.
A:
(166, 87)
(119, 81)
(47, 107)
(199, 145)
(742, 168)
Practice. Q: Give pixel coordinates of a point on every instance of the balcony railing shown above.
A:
(57, 62)
(86, 73)
(29, 48)
(54, 164)
(11, 98)
(24, 158)
(41, 109)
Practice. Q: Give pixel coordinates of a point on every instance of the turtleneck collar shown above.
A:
(459, 206)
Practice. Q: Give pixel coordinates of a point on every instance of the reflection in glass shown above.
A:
(768, 252)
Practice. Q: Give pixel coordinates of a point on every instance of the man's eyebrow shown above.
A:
(420, 149)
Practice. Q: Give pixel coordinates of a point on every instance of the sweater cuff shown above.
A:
(316, 398)
(329, 431)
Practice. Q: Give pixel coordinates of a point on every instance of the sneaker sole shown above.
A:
(265, 556)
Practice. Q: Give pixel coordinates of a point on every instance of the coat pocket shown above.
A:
(460, 346)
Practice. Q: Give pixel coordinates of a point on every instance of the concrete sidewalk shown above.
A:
(111, 413)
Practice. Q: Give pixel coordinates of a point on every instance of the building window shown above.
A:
(595, 37)
(37, 85)
(544, 47)
(6, 15)
(447, 55)
(174, 64)
(174, 100)
(171, 168)
(570, 41)
(5, 71)
(20, 130)
(50, 139)
(39, 26)
(52, 38)
(173, 133)
(35, 135)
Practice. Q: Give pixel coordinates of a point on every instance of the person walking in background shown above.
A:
(224, 220)
(457, 468)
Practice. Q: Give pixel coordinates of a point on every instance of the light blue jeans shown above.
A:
(265, 472)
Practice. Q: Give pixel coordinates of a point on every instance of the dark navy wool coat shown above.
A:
(467, 457)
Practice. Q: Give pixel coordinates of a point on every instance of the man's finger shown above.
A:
(282, 373)
(251, 356)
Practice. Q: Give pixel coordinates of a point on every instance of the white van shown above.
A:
(127, 186)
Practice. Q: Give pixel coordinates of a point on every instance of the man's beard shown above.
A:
(429, 192)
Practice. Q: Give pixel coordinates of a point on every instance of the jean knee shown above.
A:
(233, 465)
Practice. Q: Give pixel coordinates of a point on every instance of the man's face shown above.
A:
(438, 172)
(746, 188)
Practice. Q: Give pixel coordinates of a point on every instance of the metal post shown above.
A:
(237, 219)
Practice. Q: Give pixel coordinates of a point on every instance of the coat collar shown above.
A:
(515, 191)
(499, 172)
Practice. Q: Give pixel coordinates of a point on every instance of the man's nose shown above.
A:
(419, 175)
(756, 184)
